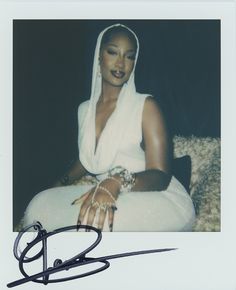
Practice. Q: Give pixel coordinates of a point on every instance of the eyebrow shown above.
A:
(116, 46)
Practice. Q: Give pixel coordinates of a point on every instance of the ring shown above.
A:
(111, 204)
(95, 204)
(103, 206)
(113, 207)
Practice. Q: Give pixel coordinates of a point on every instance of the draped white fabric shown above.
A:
(100, 161)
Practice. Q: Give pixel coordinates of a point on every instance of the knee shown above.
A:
(38, 201)
(36, 206)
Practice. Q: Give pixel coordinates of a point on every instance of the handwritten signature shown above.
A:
(58, 265)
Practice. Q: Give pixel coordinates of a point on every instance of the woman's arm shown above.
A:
(75, 172)
(158, 153)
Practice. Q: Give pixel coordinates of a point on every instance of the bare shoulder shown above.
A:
(155, 136)
(151, 109)
(153, 122)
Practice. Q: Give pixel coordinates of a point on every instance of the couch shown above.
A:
(205, 178)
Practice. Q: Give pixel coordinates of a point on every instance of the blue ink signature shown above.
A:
(58, 265)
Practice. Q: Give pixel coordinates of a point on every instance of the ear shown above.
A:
(100, 56)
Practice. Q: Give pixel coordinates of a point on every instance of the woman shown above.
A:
(123, 141)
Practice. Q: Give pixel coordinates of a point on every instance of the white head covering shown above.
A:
(108, 145)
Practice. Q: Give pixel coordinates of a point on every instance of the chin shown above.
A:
(120, 83)
(116, 84)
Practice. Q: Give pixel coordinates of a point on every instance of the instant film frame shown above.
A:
(204, 260)
(179, 64)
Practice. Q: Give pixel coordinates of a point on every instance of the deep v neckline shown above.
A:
(97, 140)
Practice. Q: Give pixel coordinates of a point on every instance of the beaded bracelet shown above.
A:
(105, 205)
(107, 191)
(95, 191)
(127, 178)
(113, 178)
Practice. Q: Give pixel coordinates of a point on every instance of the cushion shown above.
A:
(182, 170)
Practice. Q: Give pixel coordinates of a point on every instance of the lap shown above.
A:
(170, 210)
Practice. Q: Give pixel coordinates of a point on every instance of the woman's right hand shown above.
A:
(100, 201)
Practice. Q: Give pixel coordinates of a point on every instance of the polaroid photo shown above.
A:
(93, 96)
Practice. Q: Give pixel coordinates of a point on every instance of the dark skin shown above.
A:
(116, 56)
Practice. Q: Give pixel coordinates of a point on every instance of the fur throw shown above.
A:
(205, 178)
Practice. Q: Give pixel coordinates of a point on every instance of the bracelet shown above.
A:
(107, 191)
(95, 191)
(113, 178)
(105, 205)
(104, 189)
(128, 178)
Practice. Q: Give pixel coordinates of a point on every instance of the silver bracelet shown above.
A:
(127, 178)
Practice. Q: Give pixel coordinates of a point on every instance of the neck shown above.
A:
(109, 93)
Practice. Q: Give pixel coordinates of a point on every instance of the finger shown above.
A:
(81, 198)
(101, 219)
(83, 211)
(91, 215)
(111, 213)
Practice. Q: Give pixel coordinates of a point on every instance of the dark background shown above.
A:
(179, 63)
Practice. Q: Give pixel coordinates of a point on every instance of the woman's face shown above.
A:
(117, 59)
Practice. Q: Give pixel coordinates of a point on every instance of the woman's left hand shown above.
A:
(100, 200)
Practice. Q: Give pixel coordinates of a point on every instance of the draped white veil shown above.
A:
(108, 145)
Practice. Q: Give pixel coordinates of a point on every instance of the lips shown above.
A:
(118, 74)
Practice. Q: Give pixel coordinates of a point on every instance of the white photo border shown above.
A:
(203, 260)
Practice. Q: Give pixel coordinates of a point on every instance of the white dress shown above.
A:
(169, 210)
(119, 145)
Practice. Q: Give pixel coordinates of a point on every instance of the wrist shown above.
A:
(116, 180)
(112, 185)
(126, 178)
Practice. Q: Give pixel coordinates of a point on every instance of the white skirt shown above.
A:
(162, 211)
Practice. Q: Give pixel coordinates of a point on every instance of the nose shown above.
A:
(120, 62)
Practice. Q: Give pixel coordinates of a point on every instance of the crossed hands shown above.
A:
(99, 202)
